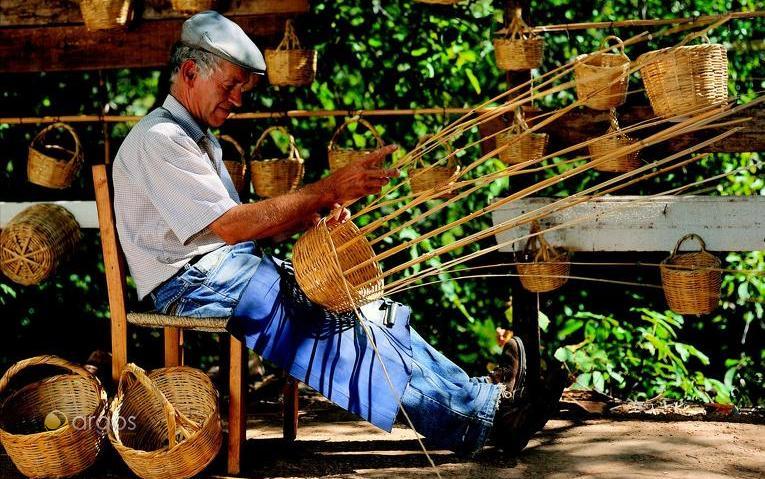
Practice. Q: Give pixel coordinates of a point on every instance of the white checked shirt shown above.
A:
(170, 183)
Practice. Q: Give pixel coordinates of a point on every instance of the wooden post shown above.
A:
(237, 419)
(290, 409)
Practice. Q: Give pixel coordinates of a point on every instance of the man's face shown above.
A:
(216, 96)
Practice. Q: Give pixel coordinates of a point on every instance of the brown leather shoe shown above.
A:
(511, 371)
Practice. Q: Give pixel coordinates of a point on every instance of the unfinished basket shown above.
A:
(276, 176)
(335, 267)
(546, 268)
(167, 423)
(235, 161)
(521, 145)
(53, 427)
(601, 148)
(289, 64)
(426, 178)
(36, 241)
(691, 280)
(602, 78)
(54, 166)
(339, 157)
(193, 6)
(680, 80)
(520, 48)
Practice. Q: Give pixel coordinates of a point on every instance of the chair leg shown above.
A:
(290, 412)
(119, 346)
(237, 426)
(173, 347)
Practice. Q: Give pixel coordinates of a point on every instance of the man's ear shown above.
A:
(189, 72)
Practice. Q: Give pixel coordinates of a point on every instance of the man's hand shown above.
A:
(362, 177)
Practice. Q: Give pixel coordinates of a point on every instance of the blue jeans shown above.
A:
(452, 410)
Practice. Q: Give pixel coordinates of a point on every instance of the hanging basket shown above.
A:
(691, 280)
(333, 262)
(176, 421)
(430, 178)
(54, 166)
(522, 146)
(602, 78)
(340, 157)
(36, 241)
(289, 64)
(681, 80)
(53, 427)
(276, 176)
(235, 162)
(520, 48)
(106, 14)
(547, 268)
(606, 146)
(193, 6)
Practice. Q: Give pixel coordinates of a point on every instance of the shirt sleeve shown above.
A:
(179, 180)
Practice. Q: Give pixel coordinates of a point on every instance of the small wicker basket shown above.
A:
(547, 268)
(339, 157)
(691, 280)
(683, 79)
(193, 6)
(335, 267)
(276, 176)
(53, 427)
(520, 145)
(235, 161)
(605, 146)
(520, 48)
(290, 65)
(53, 166)
(36, 241)
(602, 78)
(430, 178)
(167, 423)
(106, 14)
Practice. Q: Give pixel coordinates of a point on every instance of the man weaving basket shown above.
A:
(191, 247)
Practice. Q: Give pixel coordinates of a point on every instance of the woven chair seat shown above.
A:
(156, 320)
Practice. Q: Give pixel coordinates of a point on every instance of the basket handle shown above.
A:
(47, 360)
(519, 29)
(230, 140)
(519, 123)
(361, 121)
(686, 237)
(613, 119)
(619, 44)
(290, 40)
(450, 163)
(77, 146)
(537, 243)
(293, 154)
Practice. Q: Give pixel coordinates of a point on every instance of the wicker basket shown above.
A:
(426, 178)
(276, 176)
(521, 145)
(335, 267)
(339, 157)
(547, 268)
(289, 64)
(36, 241)
(106, 14)
(606, 146)
(53, 166)
(680, 80)
(176, 428)
(520, 48)
(602, 78)
(236, 167)
(53, 427)
(193, 6)
(691, 280)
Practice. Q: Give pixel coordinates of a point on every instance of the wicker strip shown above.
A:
(276, 176)
(36, 241)
(691, 280)
(235, 161)
(106, 14)
(193, 6)
(602, 78)
(605, 146)
(177, 430)
(547, 268)
(156, 320)
(520, 48)
(429, 178)
(289, 64)
(521, 147)
(53, 166)
(53, 427)
(339, 157)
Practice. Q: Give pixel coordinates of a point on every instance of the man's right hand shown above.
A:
(365, 176)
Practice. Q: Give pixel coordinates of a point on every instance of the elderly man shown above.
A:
(191, 247)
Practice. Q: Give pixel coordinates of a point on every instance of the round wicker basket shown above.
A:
(193, 6)
(289, 64)
(605, 146)
(53, 427)
(429, 178)
(235, 161)
(339, 157)
(106, 14)
(521, 145)
(683, 79)
(335, 267)
(520, 48)
(691, 280)
(167, 423)
(276, 176)
(547, 268)
(54, 166)
(36, 241)
(602, 78)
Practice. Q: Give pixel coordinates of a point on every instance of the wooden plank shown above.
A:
(84, 211)
(236, 404)
(629, 223)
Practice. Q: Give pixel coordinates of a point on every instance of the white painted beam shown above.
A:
(83, 211)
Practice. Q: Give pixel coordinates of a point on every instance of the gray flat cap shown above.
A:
(212, 32)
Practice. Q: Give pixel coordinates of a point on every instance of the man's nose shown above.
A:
(235, 97)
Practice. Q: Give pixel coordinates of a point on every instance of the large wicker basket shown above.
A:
(235, 161)
(681, 80)
(520, 145)
(193, 6)
(167, 423)
(430, 178)
(606, 146)
(106, 14)
(335, 267)
(36, 241)
(289, 64)
(53, 427)
(520, 48)
(276, 176)
(602, 78)
(339, 157)
(54, 166)
(545, 268)
(691, 280)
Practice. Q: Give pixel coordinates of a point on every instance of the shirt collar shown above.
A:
(184, 118)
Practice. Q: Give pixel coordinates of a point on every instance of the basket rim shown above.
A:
(673, 50)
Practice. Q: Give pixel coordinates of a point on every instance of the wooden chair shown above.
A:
(173, 326)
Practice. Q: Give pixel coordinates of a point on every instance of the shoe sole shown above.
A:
(521, 380)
